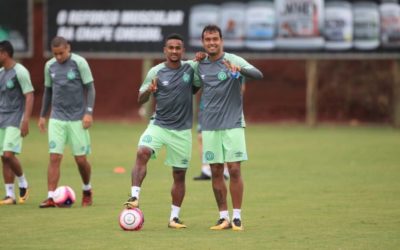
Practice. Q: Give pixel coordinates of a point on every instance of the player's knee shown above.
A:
(143, 153)
(7, 156)
(80, 161)
(234, 173)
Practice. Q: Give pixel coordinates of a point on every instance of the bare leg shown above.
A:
(53, 172)
(84, 167)
(12, 163)
(236, 184)
(140, 169)
(178, 187)
(218, 184)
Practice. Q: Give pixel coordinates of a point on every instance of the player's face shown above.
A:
(61, 53)
(212, 43)
(174, 50)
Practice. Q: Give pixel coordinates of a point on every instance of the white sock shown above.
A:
(236, 214)
(22, 182)
(86, 187)
(205, 168)
(226, 171)
(10, 190)
(50, 194)
(174, 212)
(224, 214)
(135, 191)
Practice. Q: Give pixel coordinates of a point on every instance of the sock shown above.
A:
(10, 190)
(174, 212)
(226, 171)
(224, 214)
(22, 182)
(86, 187)
(50, 194)
(236, 213)
(205, 169)
(135, 191)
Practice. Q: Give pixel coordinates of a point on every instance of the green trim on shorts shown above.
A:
(178, 144)
(10, 140)
(228, 145)
(70, 133)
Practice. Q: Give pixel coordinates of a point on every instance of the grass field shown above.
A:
(323, 188)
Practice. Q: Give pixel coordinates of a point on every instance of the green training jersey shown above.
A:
(174, 95)
(14, 84)
(67, 81)
(221, 100)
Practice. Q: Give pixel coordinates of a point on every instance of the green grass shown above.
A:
(323, 188)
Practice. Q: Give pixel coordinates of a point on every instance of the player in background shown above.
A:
(69, 91)
(172, 84)
(16, 102)
(223, 122)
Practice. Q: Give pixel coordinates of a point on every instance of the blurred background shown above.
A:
(323, 61)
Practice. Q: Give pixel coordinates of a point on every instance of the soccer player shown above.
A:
(223, 122)
(205, 173)
(172, 84)
(16, 102)
(69, 90)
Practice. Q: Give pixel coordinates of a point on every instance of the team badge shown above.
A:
(147, 138)
(222, 76)
(209, 156)
(71, 75)
(186, 77)
(10, 84)
(52, 144)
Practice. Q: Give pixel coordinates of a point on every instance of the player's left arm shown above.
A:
(24, 80)
(238, 64)
(87, 80)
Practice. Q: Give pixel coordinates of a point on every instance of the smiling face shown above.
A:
(212, 43)
(174, 50)
(61, 53)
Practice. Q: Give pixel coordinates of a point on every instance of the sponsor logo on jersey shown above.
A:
(165, 83)
(238, 154)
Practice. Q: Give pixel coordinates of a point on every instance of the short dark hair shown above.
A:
(7, 47)
(58, 41)
(211, 28)
(173, 36)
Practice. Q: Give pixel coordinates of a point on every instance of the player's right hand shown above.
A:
(42, 124)
(153, 86)
(200, 55)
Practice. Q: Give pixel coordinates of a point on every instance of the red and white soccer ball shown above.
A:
(131, 219)
(64, 196)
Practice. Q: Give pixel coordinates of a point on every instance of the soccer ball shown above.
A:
(64, 196)
(131, 219)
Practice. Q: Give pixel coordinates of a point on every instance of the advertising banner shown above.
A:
(259, 29)
(16, 25)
